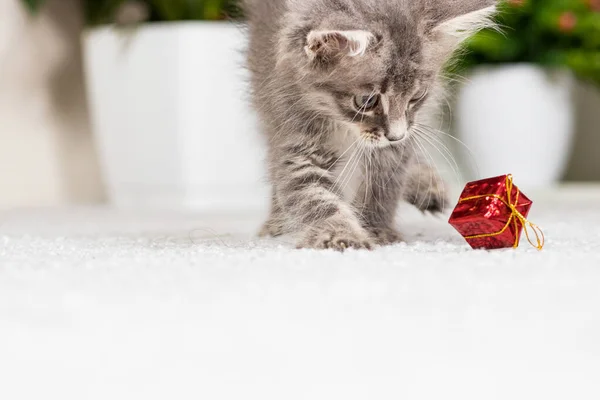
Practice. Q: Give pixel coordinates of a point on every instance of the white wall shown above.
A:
(46, 153)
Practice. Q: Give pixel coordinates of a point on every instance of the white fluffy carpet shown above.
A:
(98, 304)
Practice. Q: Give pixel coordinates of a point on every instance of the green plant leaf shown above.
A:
(98, 12)
(553, 33)
(34, 5)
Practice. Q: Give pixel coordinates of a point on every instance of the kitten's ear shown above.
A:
(328, 45)
(459, 19)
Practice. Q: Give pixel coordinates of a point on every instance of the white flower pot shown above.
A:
(518, 119)
(171, 117)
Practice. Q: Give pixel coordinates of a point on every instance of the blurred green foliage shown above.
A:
(108, 11)
(554, 33)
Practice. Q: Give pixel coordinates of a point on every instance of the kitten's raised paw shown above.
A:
(433, 200)
(436, 205)
(386, 236)
(339, 240)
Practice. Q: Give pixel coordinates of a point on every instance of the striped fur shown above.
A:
(339, 86)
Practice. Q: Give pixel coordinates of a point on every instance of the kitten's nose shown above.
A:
(398, 131)
(394, 138)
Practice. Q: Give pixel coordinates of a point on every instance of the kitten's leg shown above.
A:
(425, 189)
(305, 191)
(377, 201)
(383, 188)
(275, 225)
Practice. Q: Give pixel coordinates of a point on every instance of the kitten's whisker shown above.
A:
(413, 141)
(456, 78)
(442, 147)
(355, 165)
(367, 176)
(438, 177)
(396, 170)
(362, 116)
(343, 154)
(449, 109)
(362, 108)
(434, 131)
(353, 145)
(328, 170)
(456, 172)
(432, 165)
(443, 150)
(340, 178)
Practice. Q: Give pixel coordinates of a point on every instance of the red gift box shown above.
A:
(492, 213)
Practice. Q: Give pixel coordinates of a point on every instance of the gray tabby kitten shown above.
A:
(342, 86)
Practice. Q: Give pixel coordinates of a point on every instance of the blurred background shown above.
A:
(91, 114)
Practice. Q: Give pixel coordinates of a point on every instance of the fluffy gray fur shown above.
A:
(344, 89)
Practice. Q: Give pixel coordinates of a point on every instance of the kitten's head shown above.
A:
(372, 65)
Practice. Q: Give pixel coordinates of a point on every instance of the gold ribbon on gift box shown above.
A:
(515, 218)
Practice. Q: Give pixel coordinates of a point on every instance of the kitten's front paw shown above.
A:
(433, 199)
(385, 236)
(274, 227)
(337, 239)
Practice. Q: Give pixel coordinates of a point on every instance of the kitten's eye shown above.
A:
(366, 103)
(419, 96)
